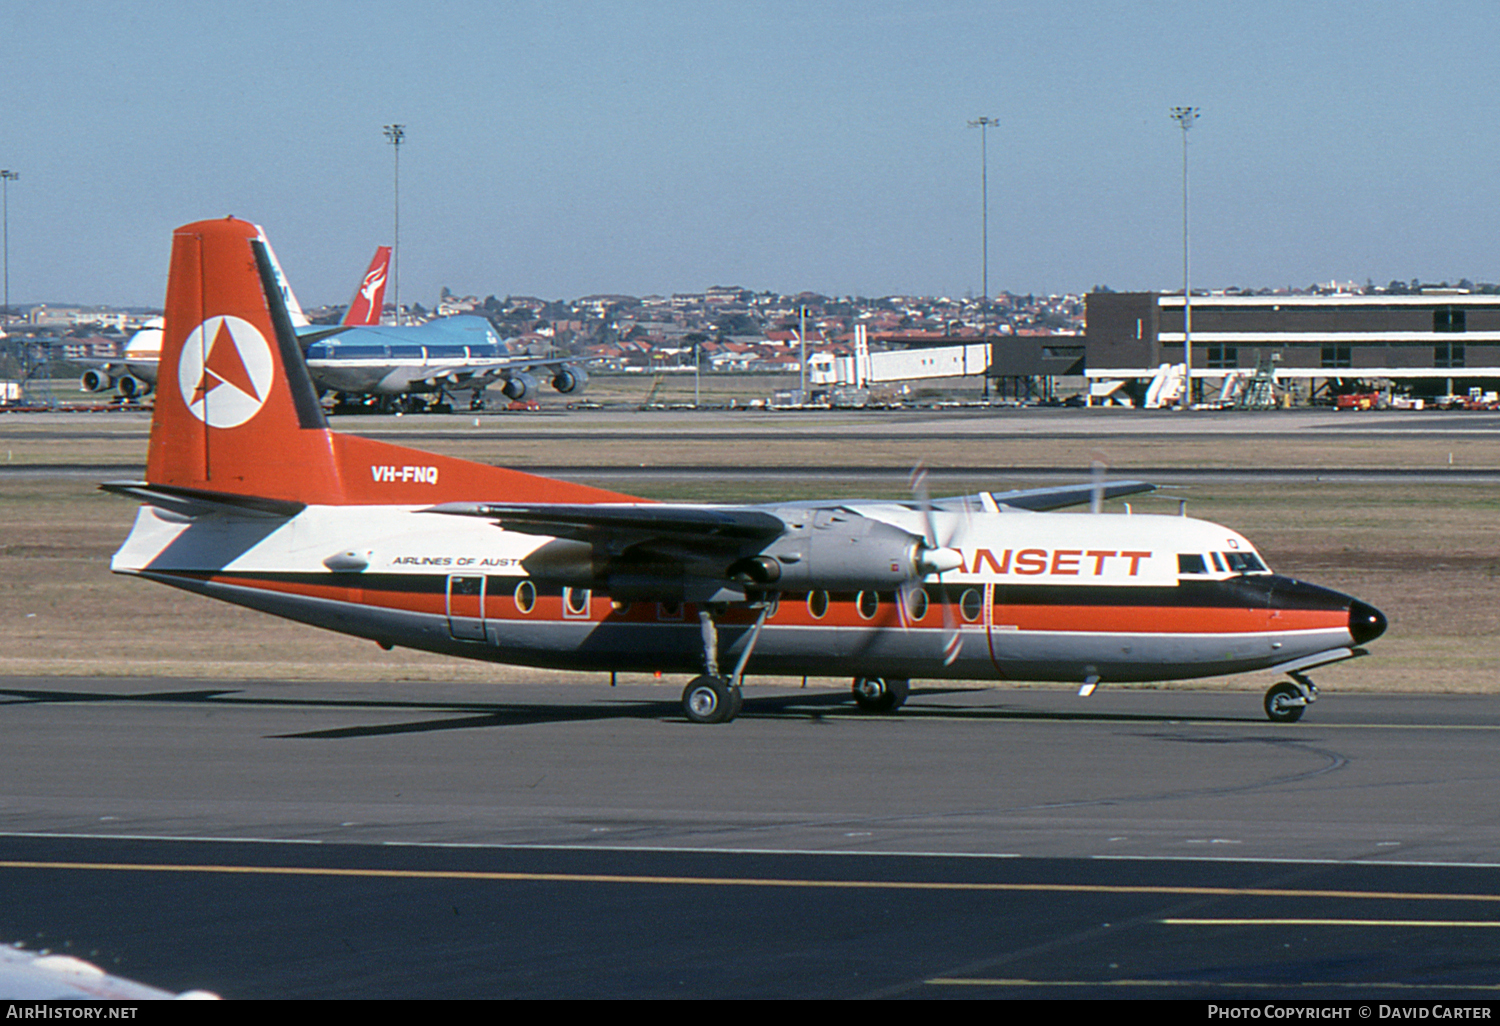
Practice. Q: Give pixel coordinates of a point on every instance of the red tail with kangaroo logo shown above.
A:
(369, 298)
(237, 414)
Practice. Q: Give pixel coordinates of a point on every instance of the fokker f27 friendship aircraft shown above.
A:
(251, 499)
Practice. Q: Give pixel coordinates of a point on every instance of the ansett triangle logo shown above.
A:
(225, 372)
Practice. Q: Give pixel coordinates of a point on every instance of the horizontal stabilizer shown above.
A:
(192, 501)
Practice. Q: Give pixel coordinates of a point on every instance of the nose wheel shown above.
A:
(1287, 701)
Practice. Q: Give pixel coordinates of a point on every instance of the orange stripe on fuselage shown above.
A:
(793, 612)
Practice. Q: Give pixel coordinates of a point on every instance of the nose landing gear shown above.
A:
(1287, 701)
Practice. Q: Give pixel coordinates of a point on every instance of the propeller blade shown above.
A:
(935, 559)
(919, 492)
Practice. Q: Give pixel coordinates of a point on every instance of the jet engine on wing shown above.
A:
(96, 380)
(519, 385)
(569, 379)
(132, 387)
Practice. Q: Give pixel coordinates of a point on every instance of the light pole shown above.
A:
(984, 124)
(802, 354)
(395, 135)
(6, 177)
(1185, 116)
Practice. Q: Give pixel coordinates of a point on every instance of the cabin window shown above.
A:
(576, 601)
(970, 604)
(470, 587)
(525, 597)
(1191, 563)
(817, 604)
(868, 604)
(669, 610)
(916, 604)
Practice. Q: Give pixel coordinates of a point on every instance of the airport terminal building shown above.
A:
(1434, 343)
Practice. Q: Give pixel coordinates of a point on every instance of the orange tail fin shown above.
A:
(237, 415)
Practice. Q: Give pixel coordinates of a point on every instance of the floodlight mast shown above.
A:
(6, 177)
(984, 124)
(1185, 116)
(396, 135)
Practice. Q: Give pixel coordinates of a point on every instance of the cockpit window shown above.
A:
(1218, 563)
(1190, 563)
(1244, 562)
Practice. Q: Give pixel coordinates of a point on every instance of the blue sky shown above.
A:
(562, 148)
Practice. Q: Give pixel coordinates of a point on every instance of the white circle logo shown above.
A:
(225, 371)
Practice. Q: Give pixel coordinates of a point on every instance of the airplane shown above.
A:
(134, 373)
(250, 498)
(386, 367)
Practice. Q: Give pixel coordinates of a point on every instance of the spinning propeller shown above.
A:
(935, 558)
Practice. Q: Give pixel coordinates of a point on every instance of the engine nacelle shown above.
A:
(519, 386)
(851, 553)
(569, 379)
(96, 380)
(132, 387)
(828, 550)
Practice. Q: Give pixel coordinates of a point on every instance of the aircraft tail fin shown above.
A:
(237, 413)
(369, 299)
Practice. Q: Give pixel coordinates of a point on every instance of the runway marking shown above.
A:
(1453, 923)
(958, 981)
(860, 853)
(711, 881)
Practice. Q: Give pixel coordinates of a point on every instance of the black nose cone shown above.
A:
(1366, 622)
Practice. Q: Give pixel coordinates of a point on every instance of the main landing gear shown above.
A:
(713, 697)
(1287, 701)
(709, 699)
(880, 694)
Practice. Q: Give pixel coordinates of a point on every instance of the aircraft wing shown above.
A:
(596, 523)
(1040, 500)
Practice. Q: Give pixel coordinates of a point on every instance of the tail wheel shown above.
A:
(880, 694)
(710, 700)
(1285, 703)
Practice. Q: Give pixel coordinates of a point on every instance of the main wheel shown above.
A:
(1285, 703)
(709, 700)
(880, 694)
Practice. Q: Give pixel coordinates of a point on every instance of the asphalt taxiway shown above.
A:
(325, 839)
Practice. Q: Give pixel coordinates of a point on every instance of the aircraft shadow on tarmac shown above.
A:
(470, 715)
